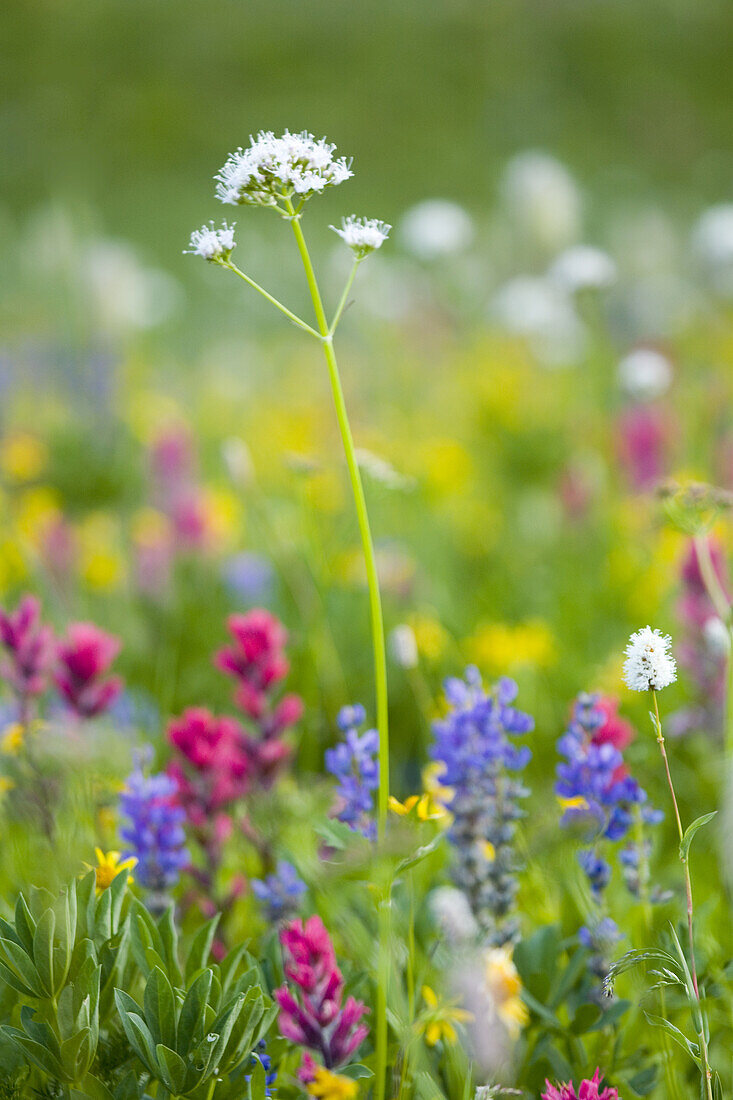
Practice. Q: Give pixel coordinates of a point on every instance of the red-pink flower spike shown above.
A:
(29, 648)
(84, 657)
(312, 1014)
(256, 659)
(220, 762)
(588, 1090)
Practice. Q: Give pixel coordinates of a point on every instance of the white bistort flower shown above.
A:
(273, 169)
(362, 235)
(649, 663)
(645, 374)
(436, 228)
(211, 243)
(583, 267)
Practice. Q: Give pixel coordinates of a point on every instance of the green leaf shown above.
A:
(25, 926)
(22, 965)
(198, 955)
(191, 1021)
(679, 1037)
(77, 1053)
(168, 934)
(643, 1082)
(43, 950)
(172, 1068)
(356, 1072)
(586, 1016)
(258, 1082)
(160, 1008)
(39, 1055)
(690, 832)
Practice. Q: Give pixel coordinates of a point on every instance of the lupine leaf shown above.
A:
(690, 833)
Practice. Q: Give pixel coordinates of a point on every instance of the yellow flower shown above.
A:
(439, 793)
(498, 646)
(5, 784)
(577, 802)
(430, 636)
(332, 1086)
(489, 851)
(427, 808)
(22, 457)
(12, 739)
(108, 867)
(102, 563)
(439, 1018)
(505, 989)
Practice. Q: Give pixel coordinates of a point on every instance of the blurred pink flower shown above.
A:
(29, 648)
(84, 656)
(588, 1090)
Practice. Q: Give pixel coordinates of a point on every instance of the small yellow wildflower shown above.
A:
(440, 794)
(427, 808)
(430, 636)
(332, 1086)
(505, 989)
(489, 851)
(438, 1020)
(109, 865)
(5, 784)
(12, 739)
(498, 646)
(22, 457)
(577, 802)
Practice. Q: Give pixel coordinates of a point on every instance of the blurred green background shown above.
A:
(130, 106)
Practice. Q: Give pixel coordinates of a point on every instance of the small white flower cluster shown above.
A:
(362, 235)
(645, 374)
(274, 168)
(649, 663)
(211, 243)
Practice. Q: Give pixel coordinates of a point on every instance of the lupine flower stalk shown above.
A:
(481, 765)
(354, 763)
(313, 1013)
(153, 832)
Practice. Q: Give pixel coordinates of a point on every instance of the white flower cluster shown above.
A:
(211, 243)
(274, 168)
(645, 374)
(362, 235)
(649, 663)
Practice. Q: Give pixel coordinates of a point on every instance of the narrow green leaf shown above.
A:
(160, 1010)
(690, 832)
(22, 965)
(198, 955)
(43, 950)
(172, 1068)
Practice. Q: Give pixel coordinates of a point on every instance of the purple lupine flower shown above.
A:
(29, 648)
(354, 763)
(154, 835)
(600, 938)
(480, 763)
(312, 1011)
(280, 892)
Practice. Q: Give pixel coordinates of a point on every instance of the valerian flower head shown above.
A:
(211, 243)
(273, 169)
(362, 235)
(649, 663)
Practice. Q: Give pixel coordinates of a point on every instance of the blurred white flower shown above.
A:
(717, 637)
(238, 461)
(294, 165)
(583, 267)
(211, 243)
(541, 312)
(452, 914)
(126, 294)
(543, 199)
(379, 469)
(435, 228)
(362, 235)
(644, 374)
(403, 646)
(712, 242)
(649, 663)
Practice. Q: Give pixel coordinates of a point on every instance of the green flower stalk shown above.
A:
(650, 666)
(283, 173)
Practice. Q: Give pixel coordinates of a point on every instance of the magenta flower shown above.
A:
(84, 657)
(29, 648)
(644, 436)
(312, 1013)
(256, 659)
(589, 1090)
(217, 766)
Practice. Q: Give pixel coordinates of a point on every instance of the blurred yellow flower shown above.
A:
(225, 515)
(577, 802)
(150, 527)
(505, 989)
(431, 637)
(109, 865)
(5, 784)
(101, 561)
(501, 646)
(438, 1021)
(12, 739)
(489, 851)
(447, 464)
(440, 794)
(331, 1086)
(23, 457)
(36, 510)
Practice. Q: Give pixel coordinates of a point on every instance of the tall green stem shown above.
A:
(378, 645)
(707, 1076)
